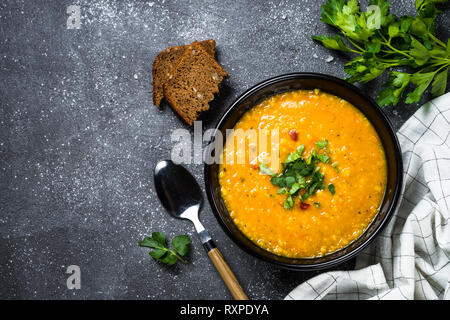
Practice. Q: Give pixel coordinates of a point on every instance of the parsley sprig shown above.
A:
(161, 252)
(300, 177)
(384, 41)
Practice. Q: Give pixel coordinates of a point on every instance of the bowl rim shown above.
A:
(390, 210)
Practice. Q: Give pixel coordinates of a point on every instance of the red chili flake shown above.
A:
(293, 134)
(254, 166)
(304, 205)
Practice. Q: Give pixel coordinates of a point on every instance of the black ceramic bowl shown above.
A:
(361, 101)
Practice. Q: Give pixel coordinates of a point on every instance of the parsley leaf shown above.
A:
(288, 203)
(422, 80)
(321, 144)
(181, 244)
(332, 188)
(330, 11)
(393, 88)
(323, 158)
(419, 52)
(161, 252)
(332, 42)
(439, 83)
(295, 155)
(335, 166)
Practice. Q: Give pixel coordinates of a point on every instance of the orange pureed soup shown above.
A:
(324, 222)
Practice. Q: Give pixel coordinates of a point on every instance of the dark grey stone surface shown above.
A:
(79, 138)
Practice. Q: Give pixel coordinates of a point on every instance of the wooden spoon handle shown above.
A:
(227, 275)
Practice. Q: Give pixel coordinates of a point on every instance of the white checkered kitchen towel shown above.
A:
(410, 259)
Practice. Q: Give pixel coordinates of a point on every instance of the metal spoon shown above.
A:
(181, 196)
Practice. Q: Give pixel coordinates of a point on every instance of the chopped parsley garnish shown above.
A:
(300, 177)
(288, 203)
(331, 188)
(323, 157)
(335, 166)
(264, 169)
(321, 144)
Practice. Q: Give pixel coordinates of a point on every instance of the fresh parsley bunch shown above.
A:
(161, 252)
(384, 41)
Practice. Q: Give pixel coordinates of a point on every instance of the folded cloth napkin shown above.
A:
(410, 259)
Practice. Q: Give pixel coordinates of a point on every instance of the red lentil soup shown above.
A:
(324, 222)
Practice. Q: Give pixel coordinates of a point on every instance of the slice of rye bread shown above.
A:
(195, 81)
(165, 63)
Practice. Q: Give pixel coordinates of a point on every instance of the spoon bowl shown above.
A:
(177, 189)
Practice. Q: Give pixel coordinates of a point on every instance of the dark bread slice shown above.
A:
(165, 63)
(195, 81)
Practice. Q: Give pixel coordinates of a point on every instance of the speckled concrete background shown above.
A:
(79, 138)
